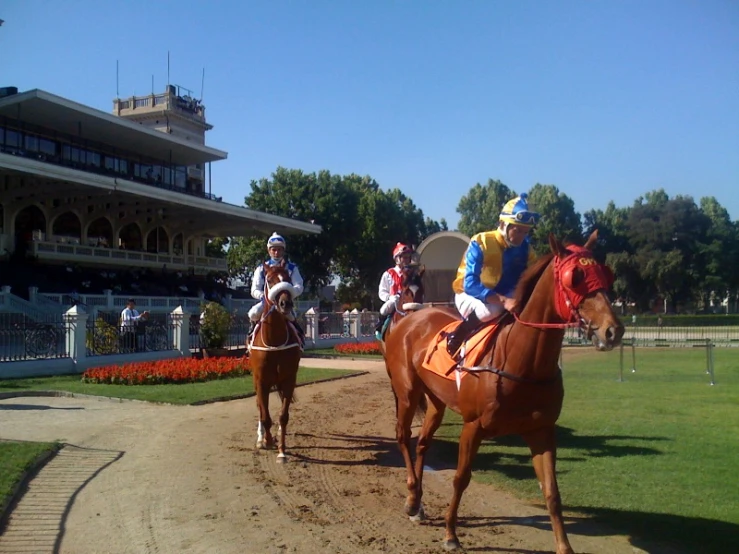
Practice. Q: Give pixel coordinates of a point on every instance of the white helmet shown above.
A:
(276, 241)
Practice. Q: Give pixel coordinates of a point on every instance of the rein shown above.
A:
(262, 320)
(512, 376)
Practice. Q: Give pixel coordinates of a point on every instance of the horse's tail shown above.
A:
(282, 395)
(422, 407)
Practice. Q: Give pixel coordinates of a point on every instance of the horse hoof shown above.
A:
(281, 458)
(409, 509)
(419, 516)
(452, 544)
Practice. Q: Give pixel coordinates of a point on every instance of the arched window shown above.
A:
(130, 238)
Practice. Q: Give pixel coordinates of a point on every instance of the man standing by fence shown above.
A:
(131, 322)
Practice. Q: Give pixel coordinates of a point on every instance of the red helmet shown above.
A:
(401, 249)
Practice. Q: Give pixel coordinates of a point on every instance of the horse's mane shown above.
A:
(529, 279)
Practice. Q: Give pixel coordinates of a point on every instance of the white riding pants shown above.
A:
(467, 304)
(388, 307)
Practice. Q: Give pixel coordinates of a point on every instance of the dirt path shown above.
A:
(142, 478)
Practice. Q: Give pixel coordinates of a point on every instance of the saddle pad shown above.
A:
(439, 361)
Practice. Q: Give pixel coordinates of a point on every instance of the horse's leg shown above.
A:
(408, 393)
(264, 433)
(544, 455)
(469, 443)
(434, 416)
(286, 391)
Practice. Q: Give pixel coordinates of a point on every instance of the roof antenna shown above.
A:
(202, 85)
(117, 93)
(167, 69)
(152, 84)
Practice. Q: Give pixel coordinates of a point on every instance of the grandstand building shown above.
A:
(111, 193)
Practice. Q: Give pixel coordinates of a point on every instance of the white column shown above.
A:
(75, 320)
(311, 325)
(181, 324)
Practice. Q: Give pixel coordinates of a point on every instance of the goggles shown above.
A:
(524, 217)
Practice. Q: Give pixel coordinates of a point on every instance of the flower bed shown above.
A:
(180, 370)
(361, 348)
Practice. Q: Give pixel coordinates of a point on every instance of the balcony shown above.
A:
(71, 252)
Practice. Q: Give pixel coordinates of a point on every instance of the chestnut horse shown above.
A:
(519, 391)
(410, 298)
(274, 355)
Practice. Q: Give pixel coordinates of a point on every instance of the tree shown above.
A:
(480, 207)
(611, 226)
(668, 238)
(558, 216)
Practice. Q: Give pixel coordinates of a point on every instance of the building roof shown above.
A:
(209, 217)
(38, 107)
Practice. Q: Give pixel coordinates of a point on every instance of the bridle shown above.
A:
(567, 294)
(270, 298)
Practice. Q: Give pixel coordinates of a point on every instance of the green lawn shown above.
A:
(15, 459)
(655, 456)
(174, 394)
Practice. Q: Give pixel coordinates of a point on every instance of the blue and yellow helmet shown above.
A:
(517, 212)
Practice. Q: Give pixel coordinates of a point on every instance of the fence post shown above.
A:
(181, 327)
(75, 323)
(311, 325)
(354, 332)
(709, 360)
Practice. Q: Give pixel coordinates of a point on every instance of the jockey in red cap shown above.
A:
(389, 289)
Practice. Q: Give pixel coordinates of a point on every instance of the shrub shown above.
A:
(215, 325)
(361, 348)
(102, 338)
(179, 370)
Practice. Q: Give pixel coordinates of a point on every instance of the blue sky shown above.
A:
(606, 100)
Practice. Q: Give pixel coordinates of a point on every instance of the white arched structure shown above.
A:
(441, 254)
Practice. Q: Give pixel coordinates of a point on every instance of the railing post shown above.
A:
(32, 293)
(108, 298)
(354, 326)
(181, 326)
(311, 325)
(75, 324)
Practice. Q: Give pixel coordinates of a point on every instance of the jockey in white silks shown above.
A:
(276, 246)
(389, 289)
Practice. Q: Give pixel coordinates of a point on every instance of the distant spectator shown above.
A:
(131, 321)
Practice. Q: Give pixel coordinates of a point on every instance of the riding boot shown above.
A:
(252, 326)
(378, 327)
(460, 334)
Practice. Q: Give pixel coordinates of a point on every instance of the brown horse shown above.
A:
(410, 299)
(520, 391)
(274, 355)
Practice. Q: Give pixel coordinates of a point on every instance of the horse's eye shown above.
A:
(573, 277)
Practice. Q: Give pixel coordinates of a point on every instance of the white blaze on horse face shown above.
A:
(414, 289)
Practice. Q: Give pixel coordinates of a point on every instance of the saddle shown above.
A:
(438, 360)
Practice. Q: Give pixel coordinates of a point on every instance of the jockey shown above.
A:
(491, 268)
(389, 290)
(276, 247)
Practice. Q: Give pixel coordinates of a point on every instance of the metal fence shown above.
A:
(22, 338)
(104, 335)
(235, 338)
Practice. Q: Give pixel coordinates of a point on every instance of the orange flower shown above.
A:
(178, 370)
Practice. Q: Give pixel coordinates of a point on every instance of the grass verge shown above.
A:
(16, 458)
(654, 456)
(188, 393)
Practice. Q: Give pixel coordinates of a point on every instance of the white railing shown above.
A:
(14, 304)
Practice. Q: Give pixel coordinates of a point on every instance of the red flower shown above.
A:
(178, 370)
(362, 348)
